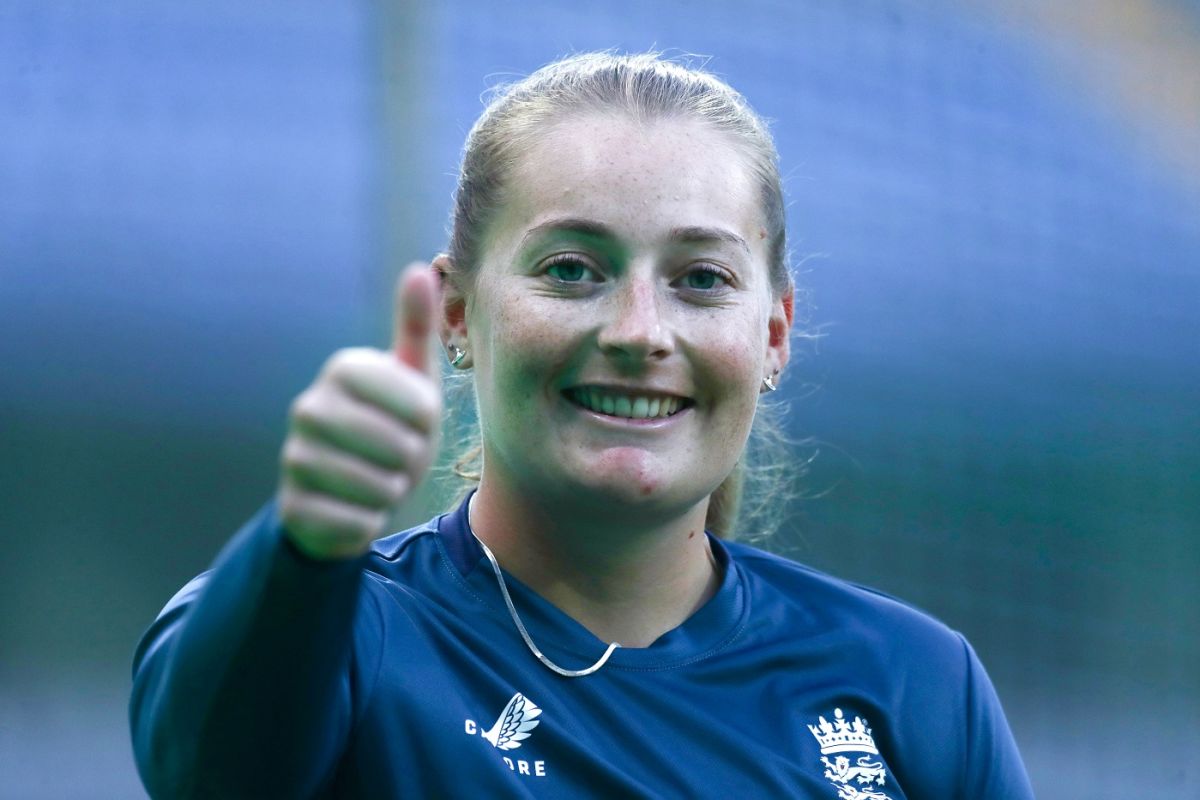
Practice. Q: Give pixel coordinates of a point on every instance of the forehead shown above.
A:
(640, 178)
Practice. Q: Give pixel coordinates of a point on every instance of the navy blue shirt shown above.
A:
(401, 674)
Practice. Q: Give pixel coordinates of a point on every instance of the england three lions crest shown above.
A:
(861, 778)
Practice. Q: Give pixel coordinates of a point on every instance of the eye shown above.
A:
(705, 278)
(569, 268)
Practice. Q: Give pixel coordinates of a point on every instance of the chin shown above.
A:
(617, 485)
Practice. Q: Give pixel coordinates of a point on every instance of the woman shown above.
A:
(617, 283)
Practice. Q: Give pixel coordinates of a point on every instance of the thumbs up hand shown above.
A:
(365, 432)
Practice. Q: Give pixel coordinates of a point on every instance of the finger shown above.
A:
(413, 328)
(376, 378)
(332, 416)
(317, 466)
(324, 527)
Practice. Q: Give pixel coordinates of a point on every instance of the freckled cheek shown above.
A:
(526, 356)
(735, 367)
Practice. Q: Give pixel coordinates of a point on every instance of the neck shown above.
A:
(627, 579)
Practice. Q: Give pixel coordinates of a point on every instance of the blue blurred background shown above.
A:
(996, 206)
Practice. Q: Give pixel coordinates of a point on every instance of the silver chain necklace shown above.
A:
(512, 610)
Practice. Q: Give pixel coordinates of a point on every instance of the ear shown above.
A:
(452, 314)
(779, 328)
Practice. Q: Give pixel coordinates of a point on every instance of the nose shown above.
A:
(636, 327)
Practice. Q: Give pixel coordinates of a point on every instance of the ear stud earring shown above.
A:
(768, 382)
(457, 354)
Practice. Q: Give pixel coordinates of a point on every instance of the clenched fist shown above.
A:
(365, 432)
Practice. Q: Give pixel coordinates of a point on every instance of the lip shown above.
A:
(630, 422)
(685, 405)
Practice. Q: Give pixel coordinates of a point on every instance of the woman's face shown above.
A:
(622, 320)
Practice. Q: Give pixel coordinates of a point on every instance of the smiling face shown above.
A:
(621, 319)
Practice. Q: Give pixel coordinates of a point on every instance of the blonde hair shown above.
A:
(644, 87)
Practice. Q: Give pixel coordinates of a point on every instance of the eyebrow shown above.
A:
(692, 234)
(700, 235)
(575, 225)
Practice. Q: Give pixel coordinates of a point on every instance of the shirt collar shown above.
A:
(712, 627)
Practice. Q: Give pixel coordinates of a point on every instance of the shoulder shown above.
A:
(400, 544)
(411, 555)
(429, 561)
(870, 625)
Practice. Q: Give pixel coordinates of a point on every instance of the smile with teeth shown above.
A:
(621, 404)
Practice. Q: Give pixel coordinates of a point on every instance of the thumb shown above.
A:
(413, 326)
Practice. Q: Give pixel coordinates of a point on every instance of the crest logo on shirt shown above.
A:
(518, 718)
(516, 721)
(841, 739)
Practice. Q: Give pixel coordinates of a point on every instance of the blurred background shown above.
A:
(995, 204)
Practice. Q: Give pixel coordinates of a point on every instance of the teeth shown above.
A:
(627, 406)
